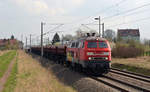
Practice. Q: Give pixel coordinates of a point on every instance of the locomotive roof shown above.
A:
(93, 38)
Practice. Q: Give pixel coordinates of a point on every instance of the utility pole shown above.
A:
(41, 39)
(103, 34)
(37, 40)
(30, 43)
(99, 26)
(99, 18)
(22, 40)
(48, 41)
(26, 42)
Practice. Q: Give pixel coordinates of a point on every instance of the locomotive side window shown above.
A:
(77, 44)
(92, 45)
(82, 44)
(73, 45)
(103, 45)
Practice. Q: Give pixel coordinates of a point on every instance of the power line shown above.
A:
(86, 27)
(130, 22)
(53, 29)
(124, 12)
(138, 12)
(98, 12)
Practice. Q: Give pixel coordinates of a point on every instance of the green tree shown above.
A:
(12, 37)
(56, 38)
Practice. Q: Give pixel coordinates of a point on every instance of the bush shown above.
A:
(128, 50)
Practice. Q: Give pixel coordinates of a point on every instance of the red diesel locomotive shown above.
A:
(92, 53)
(88, 53)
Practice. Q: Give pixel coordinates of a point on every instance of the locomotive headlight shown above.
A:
(106, 53)
(90, 58)
(106, 58)
(90, 53)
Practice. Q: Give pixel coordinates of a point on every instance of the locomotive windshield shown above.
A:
(92, 45)
(103, 45)
(97, 44)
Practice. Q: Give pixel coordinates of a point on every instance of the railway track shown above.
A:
(128, 81)
(110, 84)
(120, 85)
(131, 75)
(124, 81)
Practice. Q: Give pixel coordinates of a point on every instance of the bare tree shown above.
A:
(109, 34)
(67, 37)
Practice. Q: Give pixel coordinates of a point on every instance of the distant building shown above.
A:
(7, 43)
(4, 42)
(129, 34)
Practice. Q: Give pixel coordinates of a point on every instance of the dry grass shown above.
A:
(143, 62)
(2, 52)
(139, 64)
(32, 77)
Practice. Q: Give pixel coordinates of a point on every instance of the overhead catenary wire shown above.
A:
(100, 11)
(142, 19)
(135, 13)
(124, 12)
(127, 11)
(87, 27)
(59, 25)
(88, 16)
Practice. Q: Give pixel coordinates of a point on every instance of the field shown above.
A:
(32, 77)
(27, 75)
(2, 52)
(5, 60)
(138, 65)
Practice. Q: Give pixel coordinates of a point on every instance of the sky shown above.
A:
(23, 17)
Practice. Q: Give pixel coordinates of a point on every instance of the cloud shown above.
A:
(78, 2)
(50, 7)
(38, 7)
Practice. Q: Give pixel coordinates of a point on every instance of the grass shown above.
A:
(5, 60)
(138, 65)
(32, 77)
(2, 52)
(11, 82)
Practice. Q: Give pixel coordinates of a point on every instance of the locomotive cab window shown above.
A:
(92, 45)
(103, 45)
(82, 44)
(73, 45)
(77, 44)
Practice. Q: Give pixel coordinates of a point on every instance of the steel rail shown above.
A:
(127, 84)
(131, 76)
(140, 75)
(109, 84)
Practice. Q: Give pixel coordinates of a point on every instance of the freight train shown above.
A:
(90, 54)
